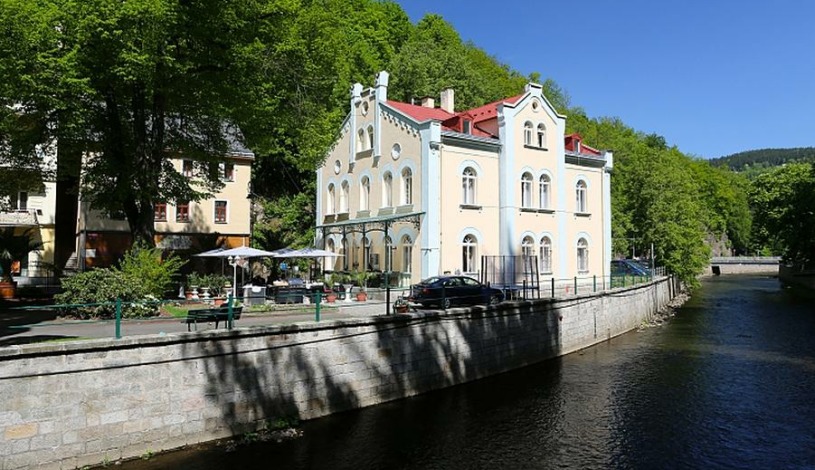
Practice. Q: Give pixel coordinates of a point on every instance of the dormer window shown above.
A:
(468, 126)
(577, 146)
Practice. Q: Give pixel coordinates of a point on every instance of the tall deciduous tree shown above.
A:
(784, 211)
(128, 84)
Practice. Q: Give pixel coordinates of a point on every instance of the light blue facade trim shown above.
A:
(506, 183)
(606, 195)
(430, 244)
(356, 93)
(560, 242)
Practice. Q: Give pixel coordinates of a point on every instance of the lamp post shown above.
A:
(234, 261)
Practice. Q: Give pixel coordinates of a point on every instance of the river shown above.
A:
(727, 383)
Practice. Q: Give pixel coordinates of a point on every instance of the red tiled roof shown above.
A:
(490, 110)
(421, 113)
(584, 149)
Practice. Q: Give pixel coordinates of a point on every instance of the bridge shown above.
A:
(720, 265)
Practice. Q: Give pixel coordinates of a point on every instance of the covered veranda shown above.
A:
(368, 245)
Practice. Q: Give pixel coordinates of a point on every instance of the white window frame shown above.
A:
(364, 193)
(344, 197)
(526, 189)
(545, 255)
(582, 256)
(387, 189)
(361, 139)
(528, 133)
(331, 200)
(370, 143)
(469, 254)
(407, 186)
(527, 247)
(407, 254)
(581, 190)
(469, 180)
(541, 135)
(545, 191)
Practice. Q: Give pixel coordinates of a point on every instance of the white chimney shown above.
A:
(448, 100)
(428, 102)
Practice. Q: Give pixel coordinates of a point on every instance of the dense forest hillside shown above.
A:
(753, 161)
(281, 72)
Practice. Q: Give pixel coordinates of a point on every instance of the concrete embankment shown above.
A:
(71, 404)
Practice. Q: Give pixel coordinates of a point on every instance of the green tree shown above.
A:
(784, 212)
(129, 84)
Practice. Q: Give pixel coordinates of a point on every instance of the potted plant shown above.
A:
(361, 278)
(13, 247)
(330, 295)
(401, 305)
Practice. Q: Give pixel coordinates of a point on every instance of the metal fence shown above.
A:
(118, 318)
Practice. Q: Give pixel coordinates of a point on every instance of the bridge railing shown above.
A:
(745, 260)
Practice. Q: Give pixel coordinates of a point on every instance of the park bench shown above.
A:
(216, 314)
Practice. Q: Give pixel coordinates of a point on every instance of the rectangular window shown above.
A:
(160, 211)
(186, 168)
(220, 212)
(227, 171)
(182, 212)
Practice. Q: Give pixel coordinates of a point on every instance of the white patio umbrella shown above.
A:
(307, 253)
(241, 251)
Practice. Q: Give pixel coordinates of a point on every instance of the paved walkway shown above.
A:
(33, 324)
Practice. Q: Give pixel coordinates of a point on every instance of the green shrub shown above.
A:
(141, 278)
(102, 286)
(146, 265)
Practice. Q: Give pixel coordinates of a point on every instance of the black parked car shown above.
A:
(446, 291)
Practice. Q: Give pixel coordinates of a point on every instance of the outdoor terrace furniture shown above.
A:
(216, 314)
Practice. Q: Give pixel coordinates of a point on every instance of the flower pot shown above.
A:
(8, 289)
(362, 296)
(331, 298)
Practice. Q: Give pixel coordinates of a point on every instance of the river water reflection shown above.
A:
(727, 383)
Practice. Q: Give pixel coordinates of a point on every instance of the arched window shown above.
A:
(580, 194)
(469, 253)
(344, 198)
(370, 137)
(541, 136)
(344, 253)
(366, 254)
(545, 191)
(546, 255)
(388, 253)
(582, 256)
(387, 190)
(361, 139)
(331, 263)
(527, 247)
(527, 133)
(407, 254)
(364, 193)
(526, 190)
(407, 187)
(330, 207)
(468, 178)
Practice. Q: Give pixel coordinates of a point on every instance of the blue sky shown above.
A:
(713, 77)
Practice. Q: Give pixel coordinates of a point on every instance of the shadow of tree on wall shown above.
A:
(311, 370)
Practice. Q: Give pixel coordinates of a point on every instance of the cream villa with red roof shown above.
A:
(422, 190)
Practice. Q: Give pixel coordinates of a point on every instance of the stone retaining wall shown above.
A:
(71, 404)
